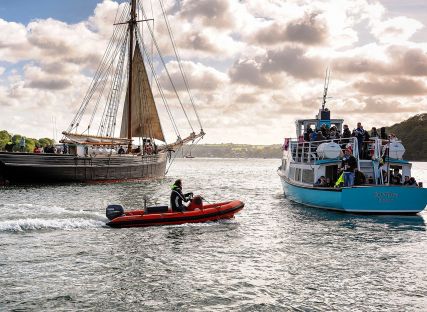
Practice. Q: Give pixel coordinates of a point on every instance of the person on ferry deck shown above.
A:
(313, 136)
(177, 197)
(396, 177)
(348, 164)
(359, 177)
(307, 134)
(383, 134)
(346, 135)
(321, 182)
(374, 133)
(412, 182)
(121, 150)
(359, 133)
(320, 136)
(333, 133)
(406, 182)
(325, 131)
(392, 137)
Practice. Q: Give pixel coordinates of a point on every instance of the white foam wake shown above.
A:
(21, 225)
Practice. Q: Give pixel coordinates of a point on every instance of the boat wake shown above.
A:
(31, 217)
(23, 225)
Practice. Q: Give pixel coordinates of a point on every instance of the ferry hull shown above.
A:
(19, 168)
(360, 199)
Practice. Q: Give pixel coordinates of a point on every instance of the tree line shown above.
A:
(15, 139)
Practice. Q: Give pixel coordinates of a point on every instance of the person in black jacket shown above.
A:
(348, 165)
(177, 197)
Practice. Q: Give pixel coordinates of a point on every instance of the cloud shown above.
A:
(199, 77)
(395, 29)
(199, 40)
(294, 61)
(392, 86)
(214, 13)
(392, 60)
(310, 30)
(247, 98)
(13, 42)
(412, 61)
(248, 72)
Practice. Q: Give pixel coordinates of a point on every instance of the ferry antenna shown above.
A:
(325, 88)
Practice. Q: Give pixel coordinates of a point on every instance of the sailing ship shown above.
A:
(305, 162)
(121, 77)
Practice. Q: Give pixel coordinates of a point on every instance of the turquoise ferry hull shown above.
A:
(376, 199)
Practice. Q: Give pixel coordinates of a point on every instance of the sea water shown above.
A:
(58, 255)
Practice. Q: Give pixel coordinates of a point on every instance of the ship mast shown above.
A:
(132, 23)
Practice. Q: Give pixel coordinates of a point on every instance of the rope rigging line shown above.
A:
(166, 69)
(115, 94)
(105, 77)
(107, 123)
(192, 146)
(156, 79)
(114, 73)
(184, 76)
(172, 159)
(98, 73)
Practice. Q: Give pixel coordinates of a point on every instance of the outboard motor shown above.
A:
(114, 211)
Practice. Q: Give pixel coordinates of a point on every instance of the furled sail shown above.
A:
(92, 139)
(145, 121)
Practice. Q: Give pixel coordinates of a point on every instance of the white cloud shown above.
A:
(395, 30)
(253, 66)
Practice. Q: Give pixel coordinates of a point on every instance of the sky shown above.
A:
(254, 66)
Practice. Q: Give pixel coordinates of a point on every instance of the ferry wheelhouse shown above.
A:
(305, 162)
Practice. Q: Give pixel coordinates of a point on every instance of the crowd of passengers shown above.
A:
(363, 137)
(349, 175)
(360, 179)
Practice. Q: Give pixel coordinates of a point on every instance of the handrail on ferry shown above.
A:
(306, 151)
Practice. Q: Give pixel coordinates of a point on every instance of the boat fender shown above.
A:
(114, 211)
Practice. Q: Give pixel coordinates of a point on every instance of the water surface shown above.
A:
(57, 254)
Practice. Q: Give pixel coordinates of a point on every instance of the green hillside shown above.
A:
(231, 150)
(413, 133)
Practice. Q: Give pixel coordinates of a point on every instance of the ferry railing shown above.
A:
(373, 151)
(306, 151)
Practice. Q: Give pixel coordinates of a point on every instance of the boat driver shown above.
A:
(177, 197)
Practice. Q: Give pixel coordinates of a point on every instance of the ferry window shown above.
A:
(332, 172)
(292, 173)
(284, 164)
(308, 176)
(297, 174)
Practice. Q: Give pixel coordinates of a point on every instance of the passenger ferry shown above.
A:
(305, 162)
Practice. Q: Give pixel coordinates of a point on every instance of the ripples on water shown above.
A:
(57, 254)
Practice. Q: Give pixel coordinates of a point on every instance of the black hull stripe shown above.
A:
(176, 219)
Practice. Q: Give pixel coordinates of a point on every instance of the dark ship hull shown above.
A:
(18, 168)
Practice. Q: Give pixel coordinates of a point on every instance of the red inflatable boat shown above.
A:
(162, 215)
